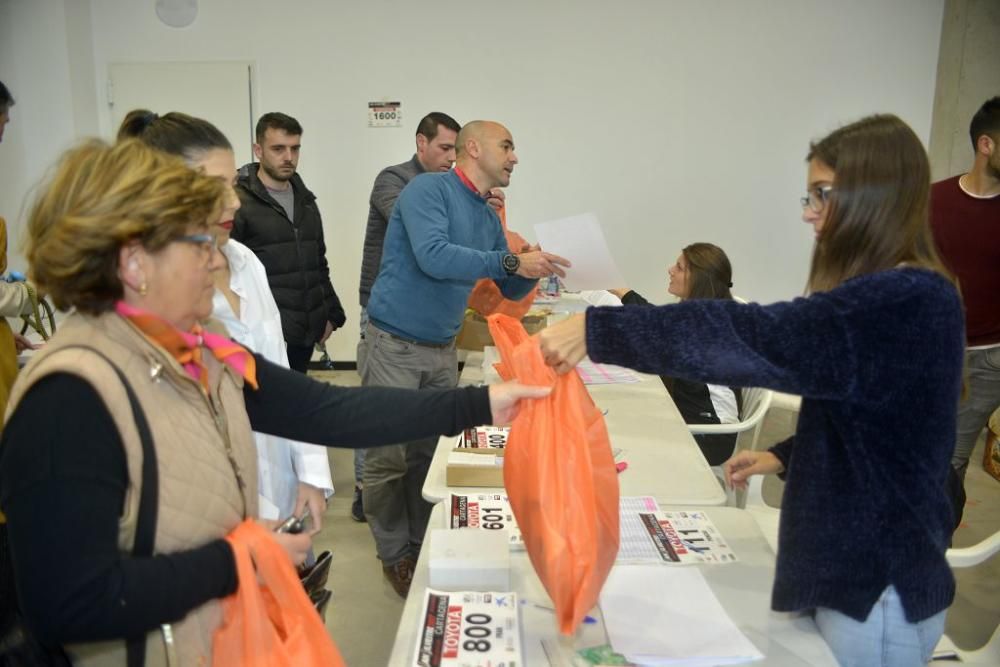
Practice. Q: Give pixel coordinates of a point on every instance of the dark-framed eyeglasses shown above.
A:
(817, 198)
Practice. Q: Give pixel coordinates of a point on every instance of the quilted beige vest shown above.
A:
(205, 453)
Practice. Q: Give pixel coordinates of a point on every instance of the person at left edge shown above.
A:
(280, 222)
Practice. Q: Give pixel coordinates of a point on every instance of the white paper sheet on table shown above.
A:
(592, 373)
(580, 240)
(665, 616)
(600, 297)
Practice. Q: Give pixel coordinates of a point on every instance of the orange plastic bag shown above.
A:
(269, 620)
(560, 477)
(486, 297)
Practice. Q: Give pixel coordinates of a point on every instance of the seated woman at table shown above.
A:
(124, 235)
(875, 350)
(702, 271)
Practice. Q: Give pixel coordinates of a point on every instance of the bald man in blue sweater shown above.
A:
(442, 238)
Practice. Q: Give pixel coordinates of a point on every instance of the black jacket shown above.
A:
(293, 254)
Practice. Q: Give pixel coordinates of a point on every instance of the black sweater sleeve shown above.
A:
(63, 478)
(633, 298)
(291, 405)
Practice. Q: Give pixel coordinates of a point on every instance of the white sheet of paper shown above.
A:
(580, 240)
(658, 615)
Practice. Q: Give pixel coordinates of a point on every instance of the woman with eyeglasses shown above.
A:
(702, 271)
(875, 350)
(125, 236)
(291, 475)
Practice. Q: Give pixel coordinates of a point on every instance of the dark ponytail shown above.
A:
(175, 133)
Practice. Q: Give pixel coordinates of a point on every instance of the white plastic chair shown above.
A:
(756, 402)
(989, 654)
(767, 517)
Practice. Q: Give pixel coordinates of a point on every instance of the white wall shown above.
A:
(968, 75)
(674, 121)
(35, 47)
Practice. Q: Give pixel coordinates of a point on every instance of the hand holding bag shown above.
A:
(560, 477)
(269, 621)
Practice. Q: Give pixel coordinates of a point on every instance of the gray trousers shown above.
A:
(359, 454)
(982, 369)
(394, 475)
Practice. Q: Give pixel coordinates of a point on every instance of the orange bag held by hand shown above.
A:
(486, 298)
(560, 477)
(269, 620)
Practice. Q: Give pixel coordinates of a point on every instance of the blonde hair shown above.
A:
(100, 198)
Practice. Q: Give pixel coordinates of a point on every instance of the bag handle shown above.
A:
(145, 530)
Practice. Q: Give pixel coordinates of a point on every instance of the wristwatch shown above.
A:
(511, 263)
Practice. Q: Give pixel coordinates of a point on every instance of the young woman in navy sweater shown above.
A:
(875, 350)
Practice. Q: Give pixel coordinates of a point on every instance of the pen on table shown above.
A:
(586, 619)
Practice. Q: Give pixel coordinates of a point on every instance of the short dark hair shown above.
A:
(276, 121)
(428, 125)
(986, 121)
(6, 99)
(175, 133)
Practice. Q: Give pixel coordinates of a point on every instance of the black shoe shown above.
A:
(357, 507)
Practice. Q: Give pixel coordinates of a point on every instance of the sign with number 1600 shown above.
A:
(385, 114)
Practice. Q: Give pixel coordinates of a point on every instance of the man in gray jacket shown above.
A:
(436, 136)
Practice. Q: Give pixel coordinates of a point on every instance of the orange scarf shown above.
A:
(186, 347)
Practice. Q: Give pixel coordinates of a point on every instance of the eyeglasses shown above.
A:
(207, 242)
(817, 198)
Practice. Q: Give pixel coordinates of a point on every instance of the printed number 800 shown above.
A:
(477, 633)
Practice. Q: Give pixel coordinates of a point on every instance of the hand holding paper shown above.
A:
(541, 264)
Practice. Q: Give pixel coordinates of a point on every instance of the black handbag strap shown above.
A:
(145, 529)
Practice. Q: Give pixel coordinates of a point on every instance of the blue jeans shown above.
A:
(884, 639)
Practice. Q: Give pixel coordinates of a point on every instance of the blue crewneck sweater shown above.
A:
(878, 362)
(442, 238)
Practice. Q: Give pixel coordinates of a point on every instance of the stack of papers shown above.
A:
(468, 629)
(669, 616)
(484, 511)
(484, 437)
(651, 536)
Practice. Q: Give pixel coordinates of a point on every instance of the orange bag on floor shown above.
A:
(269, 620)
(560, 477)
(486, 297)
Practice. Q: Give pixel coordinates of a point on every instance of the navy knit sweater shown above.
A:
(878, 362)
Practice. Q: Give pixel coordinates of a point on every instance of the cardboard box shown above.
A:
(463, 469)
(475, 332)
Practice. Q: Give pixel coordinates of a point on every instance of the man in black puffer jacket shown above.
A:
(280, 222)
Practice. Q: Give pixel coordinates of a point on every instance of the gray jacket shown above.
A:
(388, 184)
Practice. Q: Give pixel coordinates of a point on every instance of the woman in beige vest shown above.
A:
(122, 234)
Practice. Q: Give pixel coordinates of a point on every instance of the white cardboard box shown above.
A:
(470, 559)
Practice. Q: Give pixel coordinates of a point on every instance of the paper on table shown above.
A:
(464, 459)
(662, 616)
(594, 373)
(580, 240)
(600, 297)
